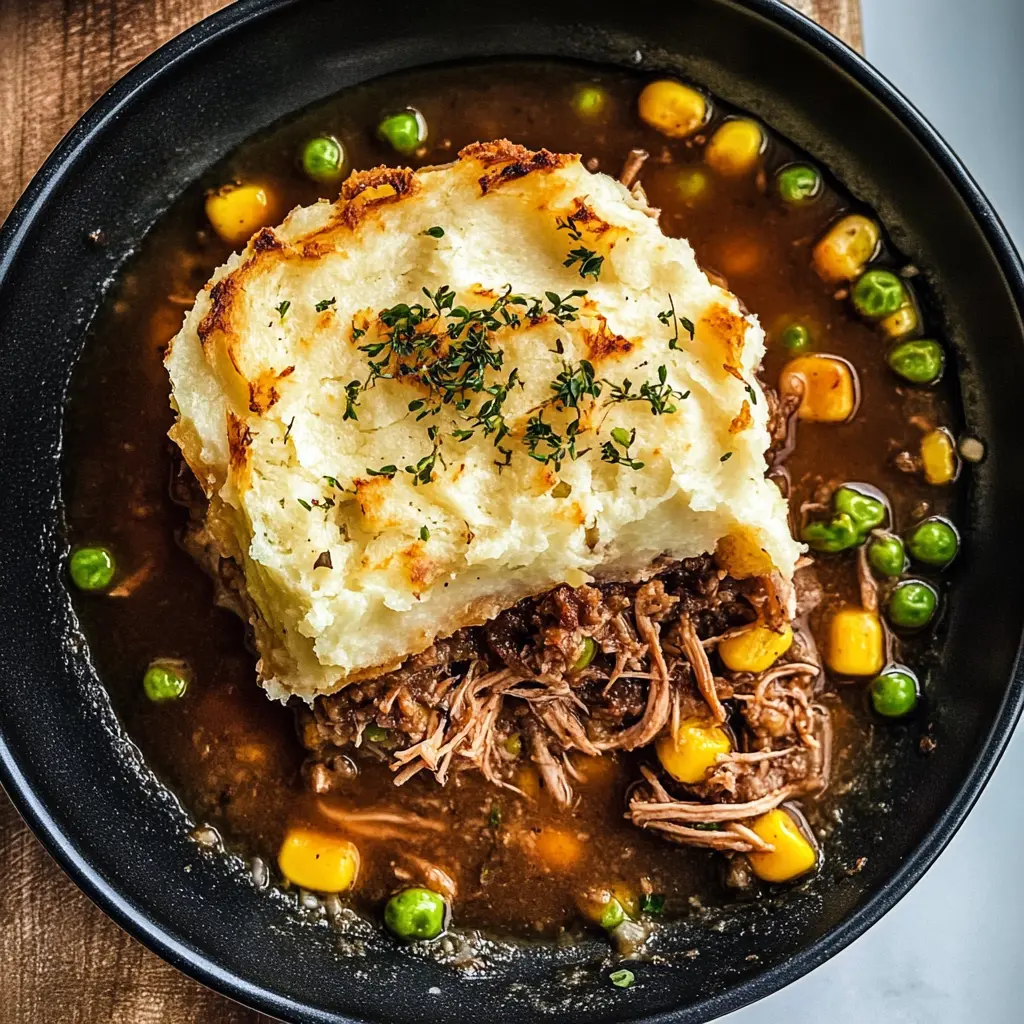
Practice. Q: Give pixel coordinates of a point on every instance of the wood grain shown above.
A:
(61, 960)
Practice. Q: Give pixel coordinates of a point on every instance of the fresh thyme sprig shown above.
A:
(661, 396)
(621, 439)
(669, 316)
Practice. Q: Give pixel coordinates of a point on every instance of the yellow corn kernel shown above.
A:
(741, 555)
(557, 849)
(846, 247)
(756, 649)
(903, 322)
(856, 644)
(596, 771)
(688, 754)
(735, 148)
(938, 456)
(528, 781)
(318, 861)
(828, 386)
(237, 212)
(793, 855)
(672, 108)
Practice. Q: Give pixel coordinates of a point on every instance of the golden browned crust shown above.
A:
(727, 330)
(508, 161)
(239, 439)
(742, 420)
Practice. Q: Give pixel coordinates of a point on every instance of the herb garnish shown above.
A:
(325, 304)
(590, 263)
(424, 533)
(752, 393)
(726, 457)
(291, 423)
(623, 439)
(305, 504)
(435, 232)
(652, 903)
(661, 396)
(352, 389)
(282, 308)
(385, 471)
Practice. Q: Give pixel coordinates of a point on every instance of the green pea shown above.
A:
(375, 733)
(798, 182)
(623, 978)
(796, 338)
(886, 555)
(612, 915)
(92, 568)
(587, 654)
(878, 293)
(165, 680)
(416, 914)
(589, 101)
(692, 184)
(865, 511)
(323, 159)
(405, 131)
(933, 542)
(894, 693)
(920, 361)
(838, 534)
(912, 604)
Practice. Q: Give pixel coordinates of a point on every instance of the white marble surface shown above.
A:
(953, 950)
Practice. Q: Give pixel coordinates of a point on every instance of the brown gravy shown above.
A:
(230, 754)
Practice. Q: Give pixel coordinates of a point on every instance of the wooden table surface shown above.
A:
(61, 960)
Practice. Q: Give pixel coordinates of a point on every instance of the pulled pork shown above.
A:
(595, 669)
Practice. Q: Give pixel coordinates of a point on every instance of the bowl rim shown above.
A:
(134, 919)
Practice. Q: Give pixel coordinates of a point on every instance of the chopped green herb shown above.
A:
(726, 457)
(687, 326)
(752, 393)
(707, 826)
(352, 390)
(669, 316)
(569, 224)
(623, 439)
(291, 423)
(305, 504)
(386, 471)
(424, 533)
(660, 395)
(375, 734)
(652, 903)
(333, 481)
(435, 232)
(283, 308)
(590, 263)
(357, 333)
(622, 978)
(325, 304)
(494, 818)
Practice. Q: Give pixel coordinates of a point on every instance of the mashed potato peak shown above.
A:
(405, 420)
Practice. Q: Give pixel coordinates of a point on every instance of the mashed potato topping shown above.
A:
(459, 387)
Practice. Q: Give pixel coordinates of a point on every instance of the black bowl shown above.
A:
(78, 780)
